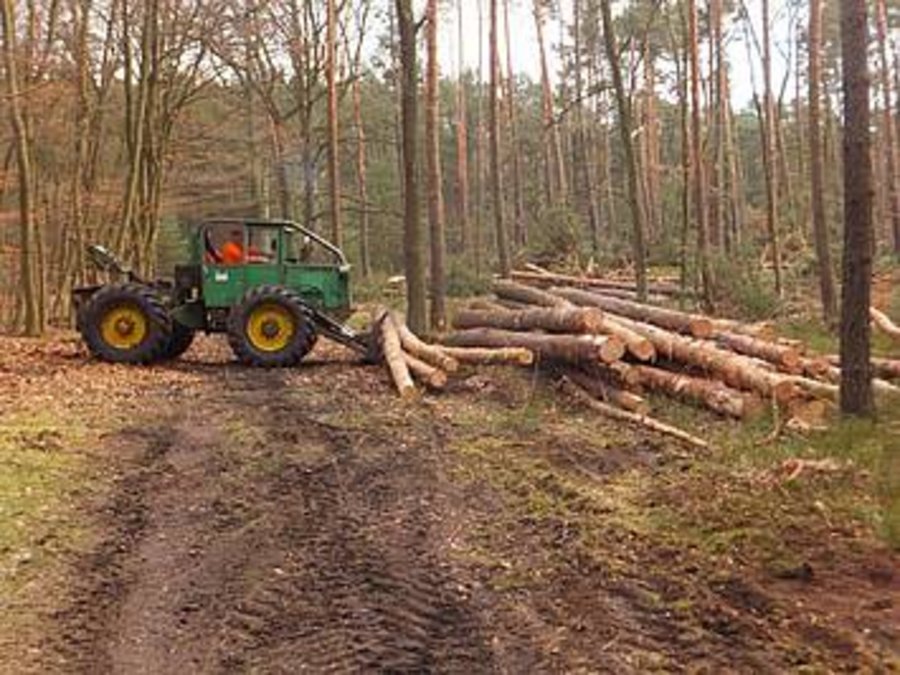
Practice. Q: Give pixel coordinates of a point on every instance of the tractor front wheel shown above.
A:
(268, 328)
(126, 323)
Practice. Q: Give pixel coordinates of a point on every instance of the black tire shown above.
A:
(292, 333)
(180, 342)
(142, 332)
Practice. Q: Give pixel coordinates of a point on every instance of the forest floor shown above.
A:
(201, 517)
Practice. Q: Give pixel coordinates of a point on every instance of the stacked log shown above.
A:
(409, 358)
(727, 366)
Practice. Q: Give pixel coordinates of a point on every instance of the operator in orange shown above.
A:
(232, 251)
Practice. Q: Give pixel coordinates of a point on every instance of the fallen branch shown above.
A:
(884, 322)
(641, 420)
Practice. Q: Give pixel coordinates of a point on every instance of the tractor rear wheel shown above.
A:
(268, 328)
(126, 323)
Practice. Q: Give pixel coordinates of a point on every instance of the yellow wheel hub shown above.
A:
(270, 327)
(124, 327)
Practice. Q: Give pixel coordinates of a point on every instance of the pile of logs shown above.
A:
(609, 350)
(616, 349)
(409, 358)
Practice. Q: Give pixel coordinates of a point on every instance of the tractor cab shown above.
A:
(236, 255)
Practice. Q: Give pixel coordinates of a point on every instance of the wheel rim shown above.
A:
(270, 328)
(124, 327)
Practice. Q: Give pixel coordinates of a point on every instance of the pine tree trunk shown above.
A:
(413, 253)
(435, 182)
(817, 176)
(462, 144)
(769, 151)
(631, 164)
(362, 181)
(496, 173)
(856, 375)
(520, 228)
(888, 146)
(699, 188)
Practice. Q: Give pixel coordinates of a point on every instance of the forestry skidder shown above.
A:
(271, 286)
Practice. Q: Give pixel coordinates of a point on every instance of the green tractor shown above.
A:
(272, 286)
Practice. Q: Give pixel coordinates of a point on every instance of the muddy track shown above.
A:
(316, 549)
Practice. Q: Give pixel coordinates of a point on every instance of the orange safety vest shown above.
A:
(232, 253)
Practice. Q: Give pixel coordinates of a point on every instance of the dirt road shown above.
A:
(306, 521)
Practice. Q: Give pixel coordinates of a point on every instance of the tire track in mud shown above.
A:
(367, 588)
(300, 547)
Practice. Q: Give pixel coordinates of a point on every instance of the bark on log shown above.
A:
(884, 322)
(485, 305)
(569, 348)
(592, 282)
(641, 420)
(741, 372)
(681, 322)
(711, 394)
(393, 355)
(619, 374)
(782, 356)
(550, 319)
(510, 290)
(428, 374)
(606, 392)
(888, 369)
(481, 356)
(421, 350)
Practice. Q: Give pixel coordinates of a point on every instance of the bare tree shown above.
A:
(626, 132)
(856, 375)
(816, 168)
(334, 173)
(31, 265)
(434, 180)
(494, 122)
(413, 254)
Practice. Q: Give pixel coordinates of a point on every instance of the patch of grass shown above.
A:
(43, 476)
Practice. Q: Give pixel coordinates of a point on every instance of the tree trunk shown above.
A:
(816, 168)
(31, 265)
(769, 151)
(889, 148)
(435, 182)
(413, 253)
(362, 181)
(394, 356)
(701, 212)
(626, 132)
(555, 175)
(485, 356)
(462, 144)
(334, 173)
(496, 174)
(520, 228)
(856, 370)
